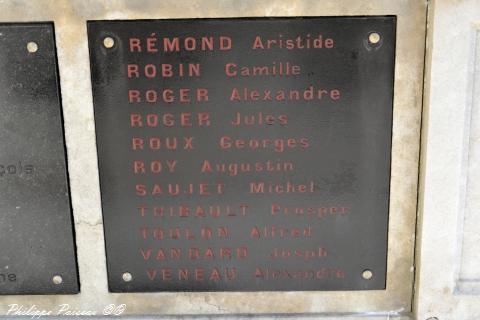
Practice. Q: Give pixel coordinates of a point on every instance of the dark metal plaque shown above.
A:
(36, 234)
(244, 154)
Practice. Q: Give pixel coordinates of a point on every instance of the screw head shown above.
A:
(367, 274)
(32, 47)
(127, 277)
(374, 38)
(108, 42)
(57, 279)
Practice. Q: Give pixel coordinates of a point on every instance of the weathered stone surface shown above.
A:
(70, 23)
(448, 281)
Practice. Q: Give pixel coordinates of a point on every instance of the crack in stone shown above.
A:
(219, 308)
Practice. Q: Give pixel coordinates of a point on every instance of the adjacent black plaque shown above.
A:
(244, 154)
(36, 234)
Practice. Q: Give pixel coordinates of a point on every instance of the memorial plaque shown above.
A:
(36, 233)
(244, 154)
